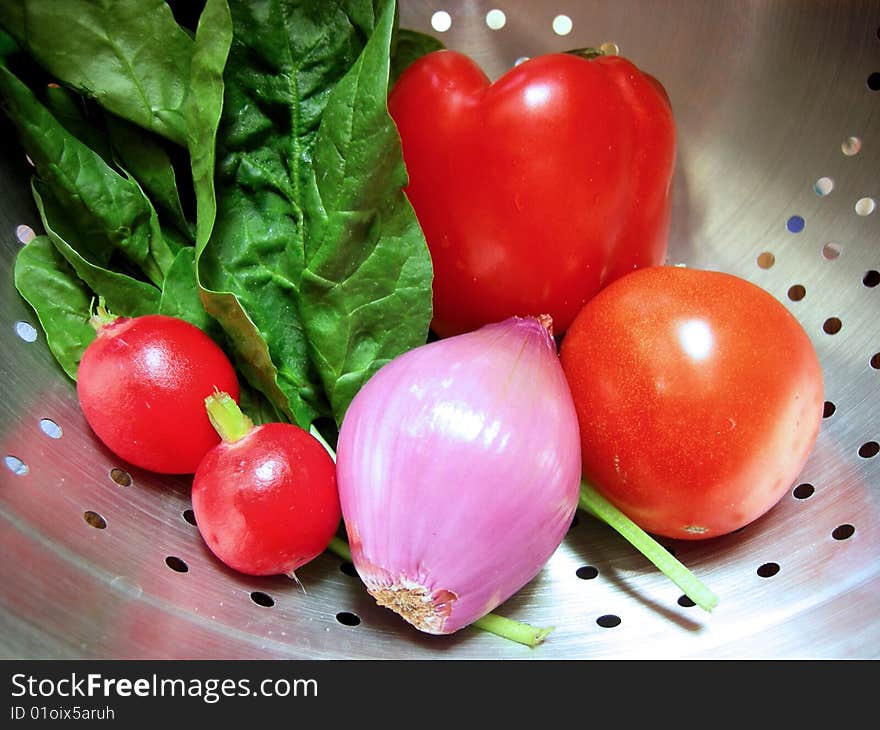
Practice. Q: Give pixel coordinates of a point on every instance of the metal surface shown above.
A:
(766, 95)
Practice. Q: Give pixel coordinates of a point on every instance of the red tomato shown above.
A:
(699, 398)
(142, 385)
(267, 503)
(537, 190)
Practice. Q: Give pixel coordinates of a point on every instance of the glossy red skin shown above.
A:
(142, 385)
(692, 437)
(267, 503)
(538, 189)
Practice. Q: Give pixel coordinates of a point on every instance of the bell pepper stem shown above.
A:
(507, 628)
(595, 504)
(589, 53)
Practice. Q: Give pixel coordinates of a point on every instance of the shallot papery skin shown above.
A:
(458, 465)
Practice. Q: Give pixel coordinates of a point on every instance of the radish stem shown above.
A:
(226, 417)
(101, 317)
(318, 435)
(594, 503)
(507, 628)
(339, 547)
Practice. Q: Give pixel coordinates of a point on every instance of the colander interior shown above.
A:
(778, 118)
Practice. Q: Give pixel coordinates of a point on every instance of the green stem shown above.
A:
(506, 628)
(588, 53)
(516, 631)
(594, 503)
(226, 417)
(339, 547)
(317, 434)
(101, 317)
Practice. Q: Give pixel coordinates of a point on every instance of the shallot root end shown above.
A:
(424, 609)
(546, 322)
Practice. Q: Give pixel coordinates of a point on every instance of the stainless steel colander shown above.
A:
(778, 114)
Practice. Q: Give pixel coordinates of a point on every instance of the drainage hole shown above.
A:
(50, 428)
(768, 570)
(869, 449)
(685, 602)
(823, 186)
(349, 569)
(608, 621)
(843, 532)
(830, 251)
(562, 25)
(851, 146)
(871, 278)
(441, 21)
(797, 292)
(795, 224)
(803, 491)
(865, 206)
(496, 19)
(94, 519)
(874, 81)
(347, 618)
(832, 325)
(766, 260)
(16, 465)
(190, 517)
(176, 564)
(120, 476)
(24, 233)
(586, 572)
(262, 599)
(828, 409)
(875, 361)
(26, 331)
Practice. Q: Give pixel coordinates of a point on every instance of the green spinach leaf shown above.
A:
(83, 120)
(257, 407)
(144, 157)
(181, 297)
(286, 58)
(306, 247)
(103, 210)
(213, 40)
(124, 294)
(60, 299)
(410, 45)
(129, 55)
(309, 197)
(122, 145)
(8, 46)
(161, 250)
(367, 261)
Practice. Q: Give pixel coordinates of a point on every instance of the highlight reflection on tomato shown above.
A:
(699, 398)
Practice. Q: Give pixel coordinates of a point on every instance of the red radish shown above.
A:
(142, 385)
(265, 498)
